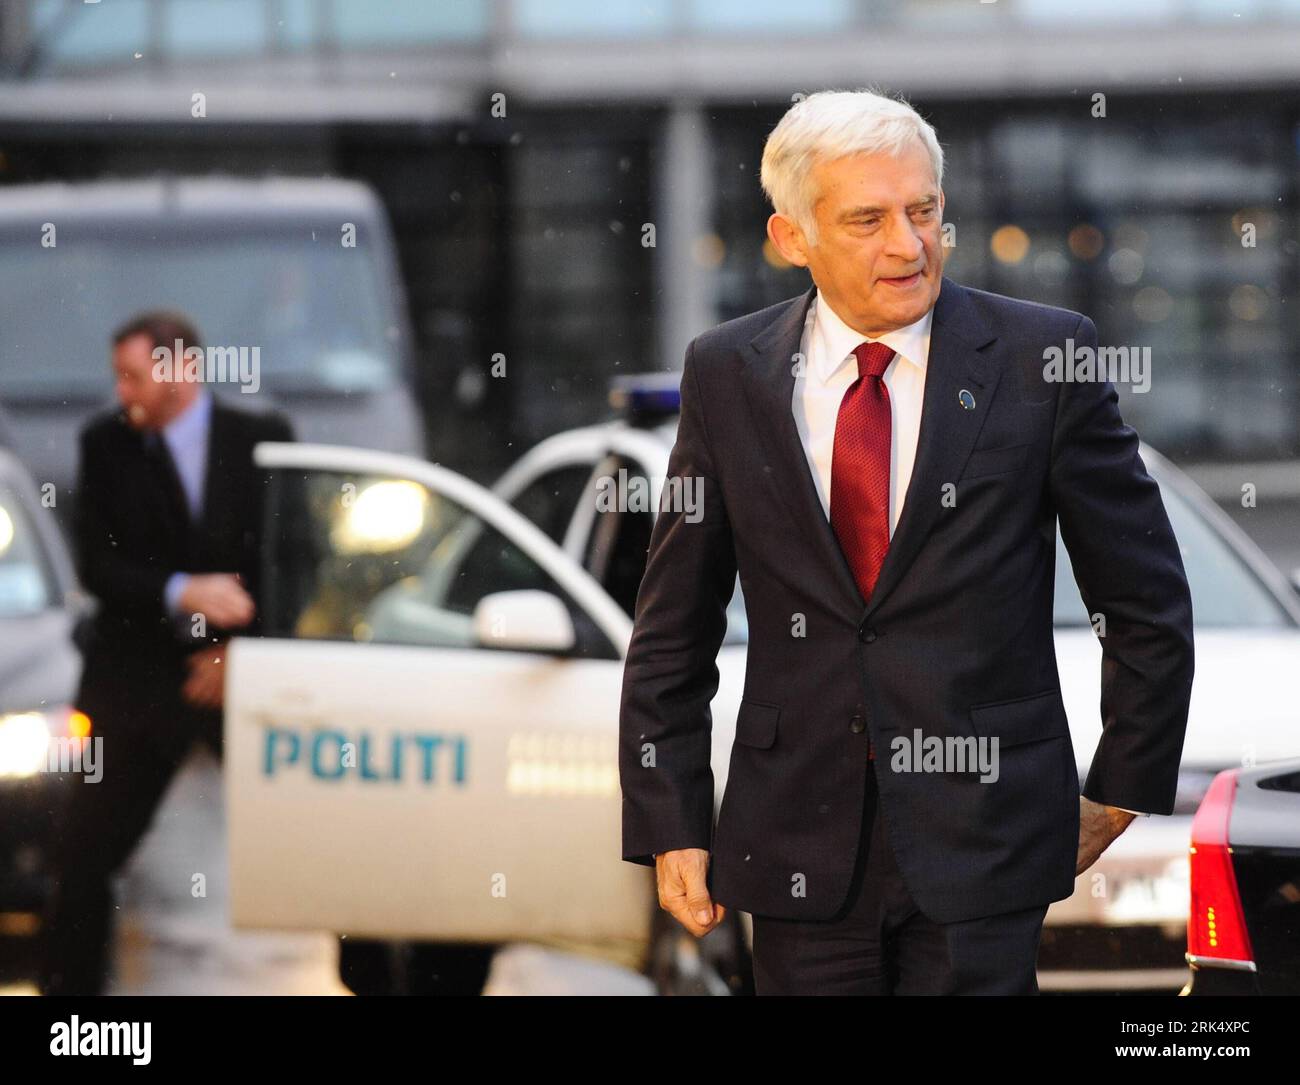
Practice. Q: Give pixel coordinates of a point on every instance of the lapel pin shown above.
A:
(966, 399)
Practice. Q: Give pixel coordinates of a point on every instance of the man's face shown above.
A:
(879, 254)
(149, 403)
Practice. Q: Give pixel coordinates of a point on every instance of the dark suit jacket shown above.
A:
(956, 641)
(132, 530)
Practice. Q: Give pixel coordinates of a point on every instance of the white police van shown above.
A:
(422, 753)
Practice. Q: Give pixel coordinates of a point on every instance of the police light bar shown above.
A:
(645, 397)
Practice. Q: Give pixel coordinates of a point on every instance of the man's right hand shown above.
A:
(683, 891)
(219, 597)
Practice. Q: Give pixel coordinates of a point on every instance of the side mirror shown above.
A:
(528, 620)
(1295, 579)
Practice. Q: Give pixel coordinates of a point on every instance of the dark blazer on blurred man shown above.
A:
(167, 530)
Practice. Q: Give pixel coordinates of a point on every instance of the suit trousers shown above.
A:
(880, 942)
(98, 829)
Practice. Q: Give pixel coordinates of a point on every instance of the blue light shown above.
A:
(646, 395)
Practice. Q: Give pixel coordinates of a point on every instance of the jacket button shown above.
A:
(867, 636)
(857, 725)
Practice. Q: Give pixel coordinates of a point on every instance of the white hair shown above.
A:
(833, 124)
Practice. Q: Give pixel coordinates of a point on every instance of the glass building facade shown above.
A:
(612, 209)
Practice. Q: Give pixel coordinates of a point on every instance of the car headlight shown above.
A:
(382, 516)
(26, 739)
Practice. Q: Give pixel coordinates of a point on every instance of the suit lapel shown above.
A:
(947, 433)
(768, 380)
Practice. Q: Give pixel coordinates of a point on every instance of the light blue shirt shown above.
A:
(187, 440)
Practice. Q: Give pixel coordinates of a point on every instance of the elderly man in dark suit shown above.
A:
(167, 527)
(884, 460)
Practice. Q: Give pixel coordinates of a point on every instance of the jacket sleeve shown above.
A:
(671, 673)
(125, 584)
(1128, 567)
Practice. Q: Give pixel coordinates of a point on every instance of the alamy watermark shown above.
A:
(82, 755)
(638, 493)
(212, 365)
(115, 1038)
(1119, 365)
(946, 753)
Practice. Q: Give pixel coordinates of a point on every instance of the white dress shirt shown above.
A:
(830, 367)
(187, 440)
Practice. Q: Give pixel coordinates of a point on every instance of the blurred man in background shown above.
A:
(168, 526)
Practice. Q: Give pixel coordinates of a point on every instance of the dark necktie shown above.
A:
(168, 476)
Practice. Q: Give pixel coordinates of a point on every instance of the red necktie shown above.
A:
(860, 470)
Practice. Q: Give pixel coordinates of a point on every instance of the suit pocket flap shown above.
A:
(1026, 719)
(995, 461)
(756, 724)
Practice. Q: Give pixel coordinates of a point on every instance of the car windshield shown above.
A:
(1225, 591)
(312, 307)
(26, 585)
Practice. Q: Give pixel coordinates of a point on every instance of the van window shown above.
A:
(312, 307)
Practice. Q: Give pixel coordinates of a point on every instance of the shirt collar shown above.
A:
(837, 340)
(192, 422)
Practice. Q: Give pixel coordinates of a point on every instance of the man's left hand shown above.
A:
(1098, 826)
(205, 685)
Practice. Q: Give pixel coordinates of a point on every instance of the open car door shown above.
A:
(423, 743)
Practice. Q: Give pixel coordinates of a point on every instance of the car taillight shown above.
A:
(78, 724)
(1216, 932)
